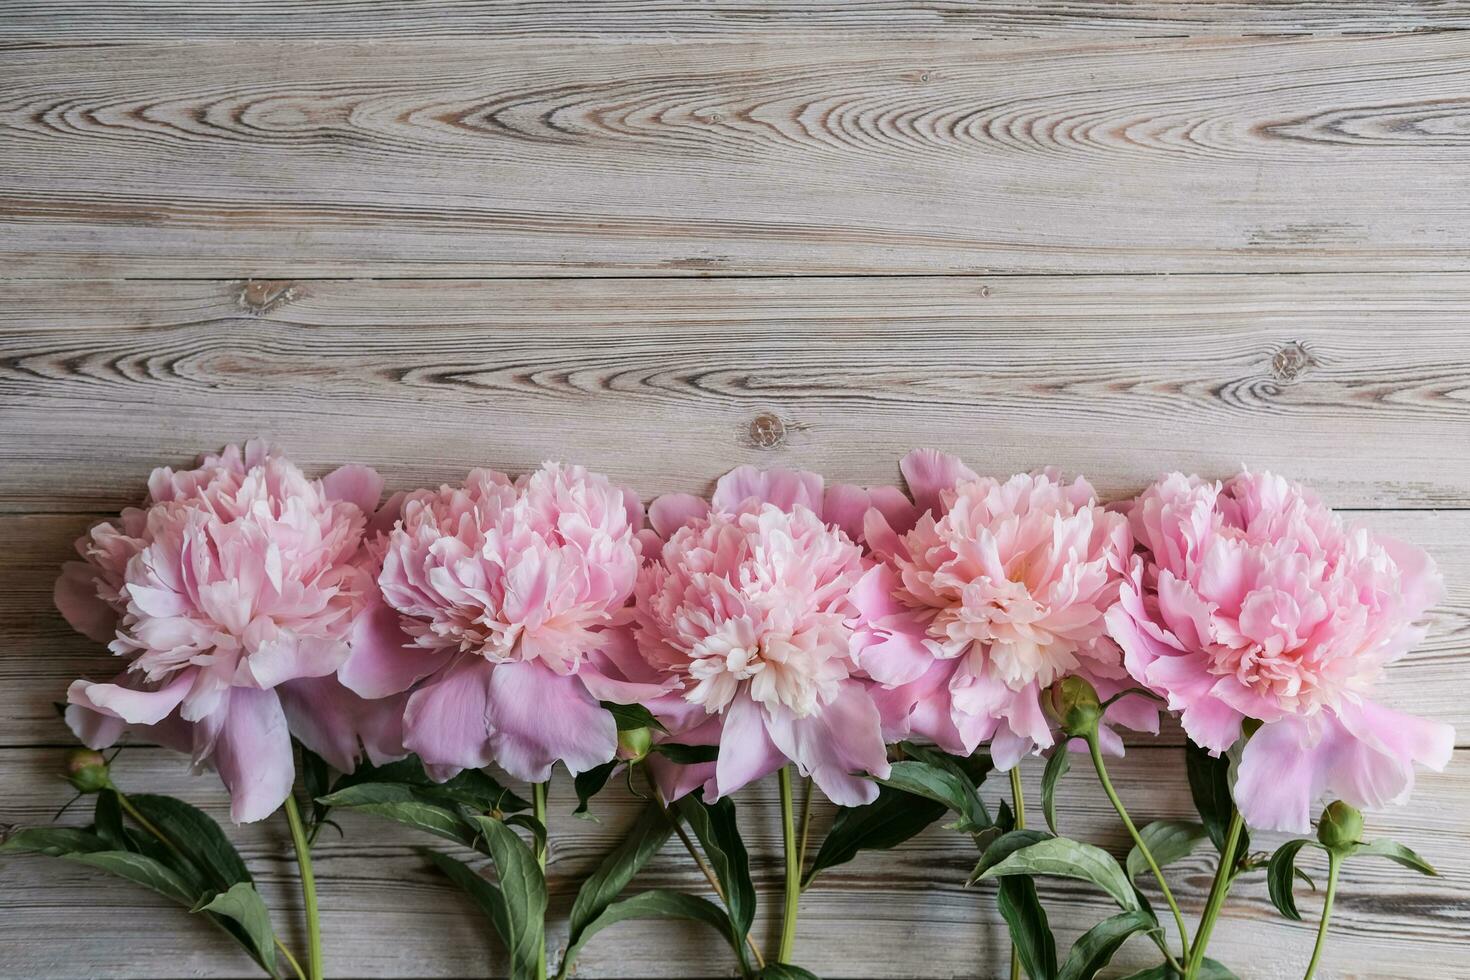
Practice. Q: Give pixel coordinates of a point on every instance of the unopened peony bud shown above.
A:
(1074, 705)
(633, 744)
(86, 769)
(1340, 827)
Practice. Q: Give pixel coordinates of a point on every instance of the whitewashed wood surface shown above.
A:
(666, 238)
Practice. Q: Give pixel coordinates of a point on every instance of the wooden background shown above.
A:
(663, 238)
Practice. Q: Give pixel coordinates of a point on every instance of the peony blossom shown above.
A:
(502, 606)
(983, 594)
(746, 607)
(1252, 600)
(231, 595)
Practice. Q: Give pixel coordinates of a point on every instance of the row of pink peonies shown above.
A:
(780, 620)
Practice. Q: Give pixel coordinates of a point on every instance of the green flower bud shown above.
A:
(86, 769)
(634, 743)
(1074, 705)
(1340, 826)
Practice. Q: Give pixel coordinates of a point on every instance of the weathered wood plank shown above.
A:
(471, 157)
(1357, 385)
(42, 656)
(663, 20)
(904, 913)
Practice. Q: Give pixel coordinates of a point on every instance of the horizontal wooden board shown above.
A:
(497, 158)
(662, 20)
(42, 655)
(901, 913)
(1357, 385)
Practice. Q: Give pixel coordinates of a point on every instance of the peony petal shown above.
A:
(253, 754)
(674, 780)
(445, 721)
(836, 745)
(134, 705)
(76, 598)
(1283, 772)
(355, 484)
(673, 510)
(94, 729)
(746, 750)
(928, 471)
(785, 489)
(383, 660)
(539, 717)
(335, 723)
(616, 673)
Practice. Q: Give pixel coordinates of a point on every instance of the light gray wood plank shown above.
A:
(1354, 384)
(471, 157)
(42, 655)
(904, 913)
(662, 20)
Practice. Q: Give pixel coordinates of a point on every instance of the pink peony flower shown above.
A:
(983, 595)
(1252, 600)
(746, 607)
(231, 595)
(500, 606)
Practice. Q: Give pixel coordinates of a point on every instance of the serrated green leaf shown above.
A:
(589, 783)
(687, 755)
(523, 887)
(1397, 853)
(632, 716)
(1279, 877)
(1068, 858)
(888, 821)
(1209, 786)
(1057, 766)
(1167, 841)
(196, 835)
(243, 905)
(52, 841)
(1026, 921)
(1094, 949)
(402, 803)
(139, 869)
(999, 848)
(654, 904)
(603, 886)
(785, 971)
(715, 826)
(942, 785)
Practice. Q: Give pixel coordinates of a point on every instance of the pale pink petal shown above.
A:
(675, 780)
(134, 705)
(673, 510)
(355, 484)
(614, 672)
(92, 728)
(253, 754)
(785, 489)
(383, 660)
(539, 717)
(445, 722)
(76, 598)
(746, 750)
(928, 472)
(341, 727)
(836, 745)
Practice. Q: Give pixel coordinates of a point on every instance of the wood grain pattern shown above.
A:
(488, 158)
(1354, 384)
(386, 914)
(662, 20)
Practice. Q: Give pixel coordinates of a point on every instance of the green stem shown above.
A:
(1334, 864)
(1095, 748)
(296, 967)
(806, 824)
(1219, 888)
(308, 886)
(793, 870)
(538, 809)
(1018, 802)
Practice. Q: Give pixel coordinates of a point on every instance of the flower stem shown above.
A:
(1018, 802)
(538, 810)
(1219, 888)
(1334, 864)
(793, 870)
(295, 966)
(1095, 748)
(308, 887)
(806, 824)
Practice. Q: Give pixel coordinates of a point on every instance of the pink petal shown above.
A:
(785, 489)
(675, 780)
(253, 754)
(445, 722)
(360, 485)
(746, 750)
(539, 717)
(896, 657)
(928, 471)
(673, 510)
(836, 744)
(134, 705)
(76, 597)
(94, 729)
(383, 660)
(615, 672)
(335, 723)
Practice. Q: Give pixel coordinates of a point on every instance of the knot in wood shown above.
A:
(259, 296)
(1290, 361)
(767, 431)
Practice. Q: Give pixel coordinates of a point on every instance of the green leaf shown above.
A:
(1209, 970)
(1026, 921)
(139, 869)
(1057, 765)
(1167, 841)
(1094, 949)
(687, 755)
(1068, 858)
(1000, 847)
(942, 785)
(472, 787)
(604, 885)
(655, 904)
(1279, 877)
(52, 841)
(785, 971)
(197, 836)
(1397, 853)
(631, 716)
(1209, 785)
(402, 803)
(715, 826)
(588, 784)
(484, 893)
(107, 821)
(243, 904)
(523, 887)
(888, 821)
